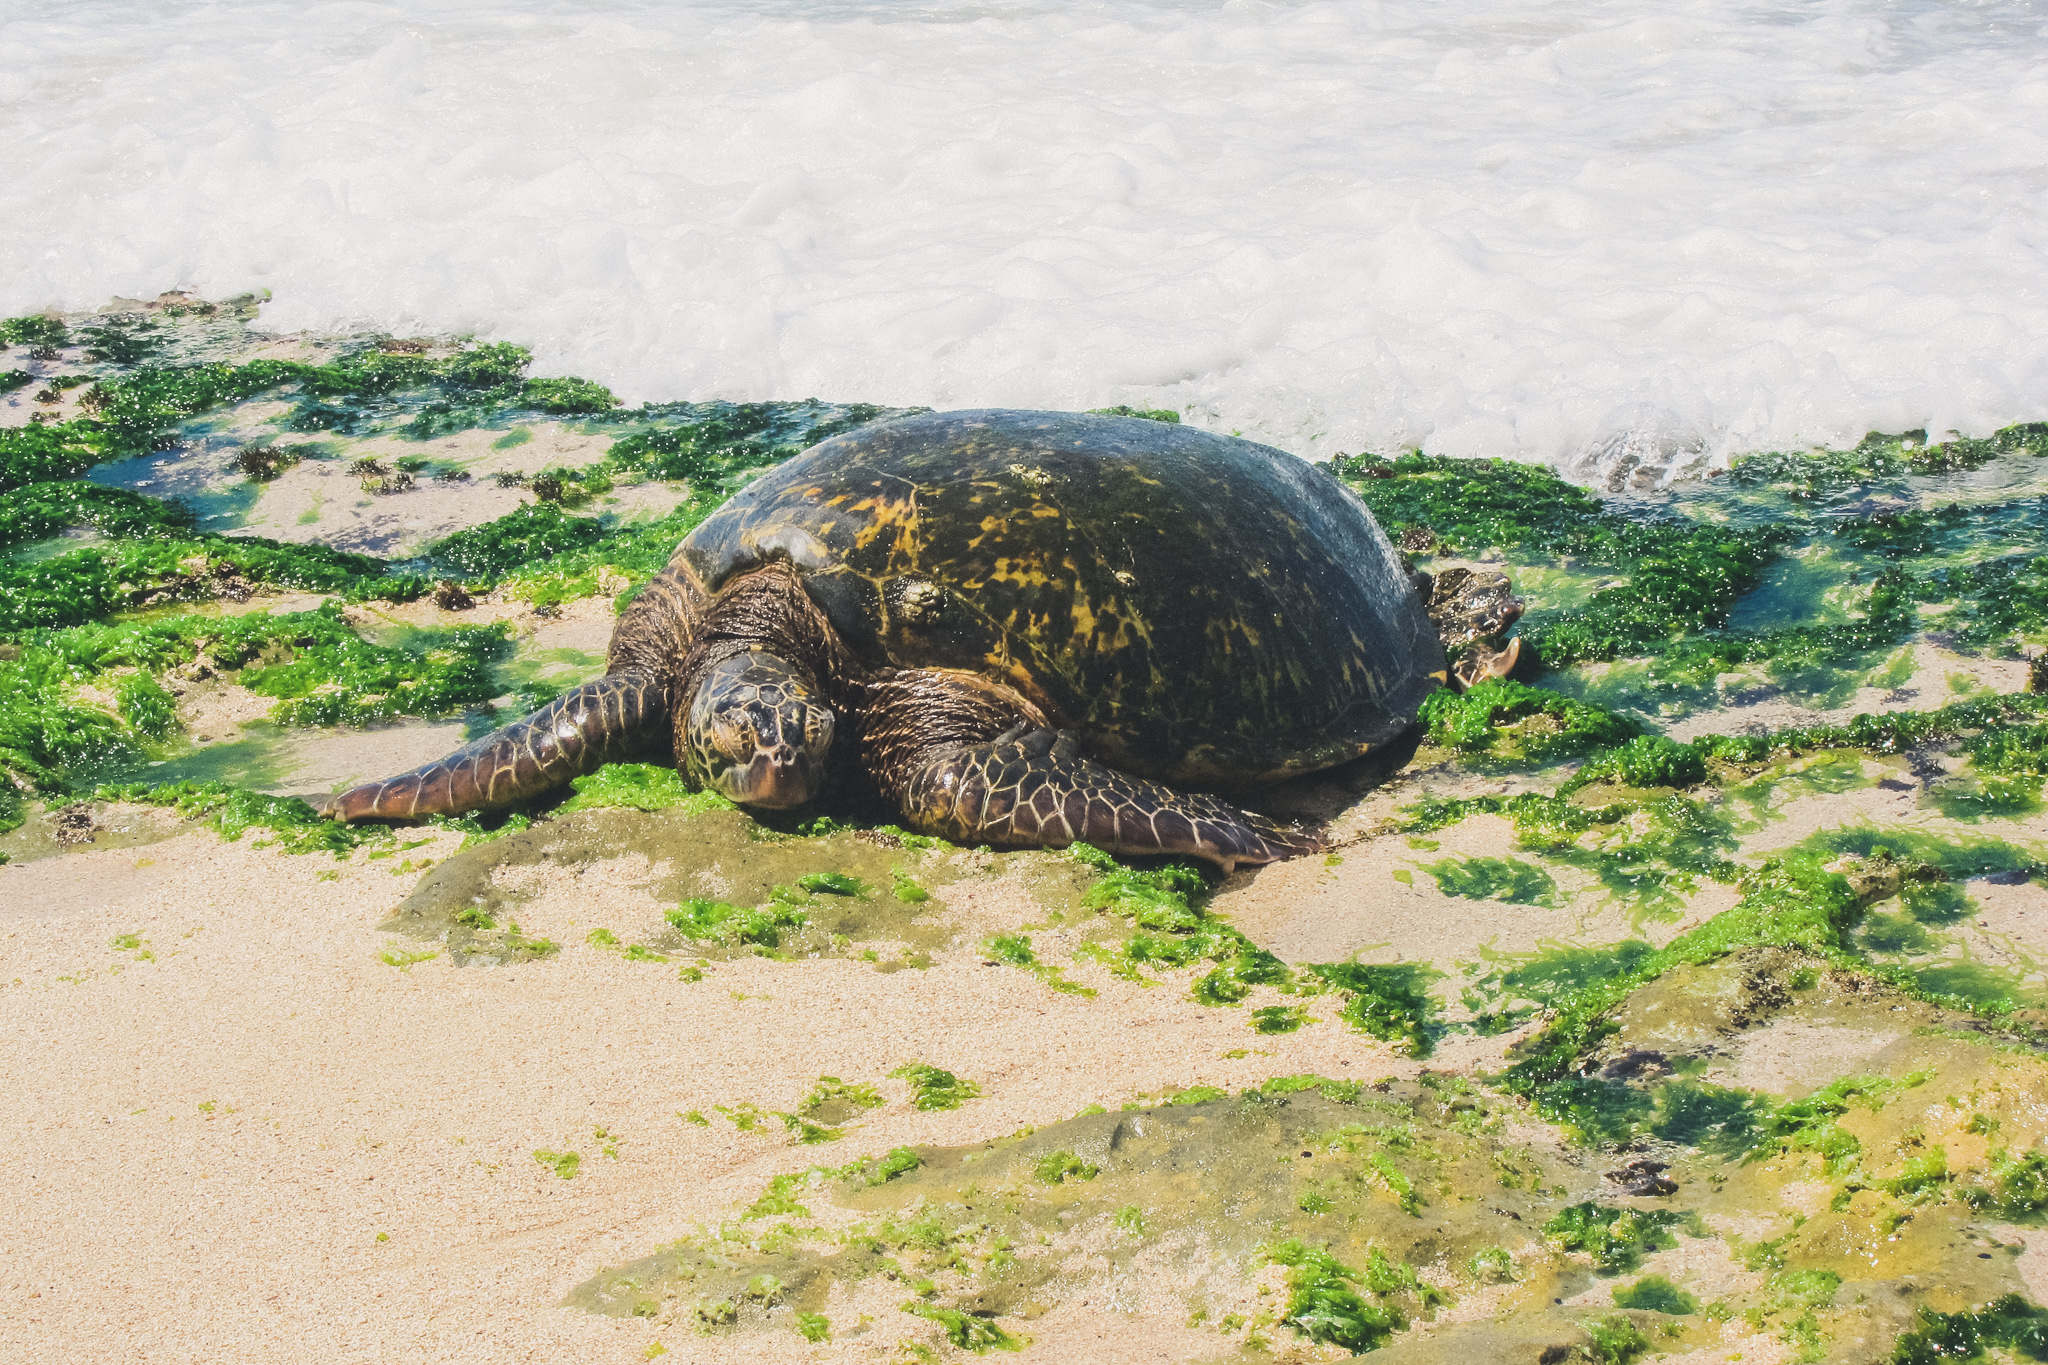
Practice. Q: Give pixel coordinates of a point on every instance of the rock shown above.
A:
(1642, 1177)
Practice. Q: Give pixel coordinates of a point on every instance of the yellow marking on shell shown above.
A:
(1084, 618)
(886, 517)
(1224, 632)
(1091, 621)
(1021, 572)
(992, 528)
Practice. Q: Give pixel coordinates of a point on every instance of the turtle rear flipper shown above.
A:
(614, 718)
(1033, 788)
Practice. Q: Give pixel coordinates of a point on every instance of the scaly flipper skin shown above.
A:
(615, 718)
(1033, 788)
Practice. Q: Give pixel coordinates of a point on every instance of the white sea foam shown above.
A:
(1651, 230)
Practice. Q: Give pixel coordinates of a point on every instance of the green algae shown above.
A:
(1682, 575)
(37, 511)
(638, 786)
(1987, 990)
(121, 340)
(1880, 457)
(1323, 1302)
(1645, 853)
(1167, 415)
(1925, 858)
(43, 738)
(1894, 934)
(1616, 1239)
(1272, 1020)
(1056, 1167)
(1813, 1124)
(1777, 786)
(1615, 1340)
(1011, 949)
(1720, 1120)
(709, 921)
(1389, 1002)
(141, 411)
(1656, 1294)
(294, 826)
(34, 330)
(1813, 585)
(544, 673)
(715, 442)
(54, 744)
(144, 704)
(1507, 880)
(2009, 1322)
(1501, 997)
(1643, 762)
(1173, 929)
(1923, 872)
(965, 1330)
(1991, 602)
(366, 391)
(1350, 1188)
(1015, 950)
(934, 1088)
(544, 556)
(2009, 763)
(166, 562)
(563, 1165)
(535, 532)
(335, 677)
(2014, 1185)
(1790, 902)
(833, 1102)
(1484, 718)
(44, 453)
(1474, 505)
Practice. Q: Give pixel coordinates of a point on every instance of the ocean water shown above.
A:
(1586, 232)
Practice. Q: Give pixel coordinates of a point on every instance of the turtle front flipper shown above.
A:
(1033, 788)
(616, 717)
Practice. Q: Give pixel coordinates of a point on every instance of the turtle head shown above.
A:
(758, 732)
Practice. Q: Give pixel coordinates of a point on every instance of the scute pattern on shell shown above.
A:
(1195, 608)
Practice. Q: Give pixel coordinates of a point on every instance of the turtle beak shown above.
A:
(776, 777)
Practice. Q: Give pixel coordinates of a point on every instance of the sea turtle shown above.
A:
(1022, 628)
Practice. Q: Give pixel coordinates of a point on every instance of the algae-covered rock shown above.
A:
(1377, 1204)
(708, 881)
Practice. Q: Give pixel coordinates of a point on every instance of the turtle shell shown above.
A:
(1199, 609)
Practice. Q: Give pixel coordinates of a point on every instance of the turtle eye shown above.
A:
(731, 738)
(817, 729)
